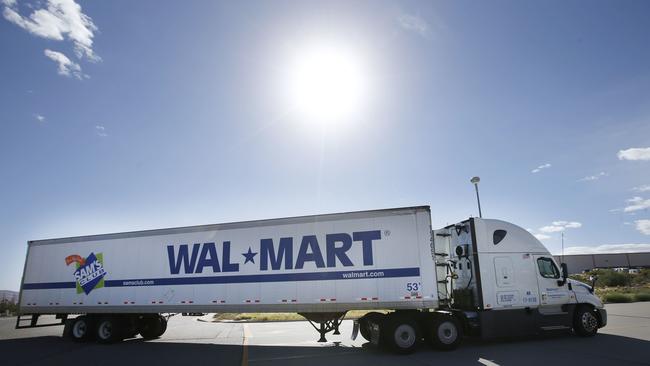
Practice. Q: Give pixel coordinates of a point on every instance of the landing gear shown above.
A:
(327, 322)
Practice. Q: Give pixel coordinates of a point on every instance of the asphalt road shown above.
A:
(625, 341)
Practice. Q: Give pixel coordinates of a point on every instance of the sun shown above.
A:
(327, 84)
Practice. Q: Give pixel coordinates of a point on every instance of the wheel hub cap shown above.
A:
(105, 330)
(405, 336)
(79, 329)
(447, 333)
(589, 321)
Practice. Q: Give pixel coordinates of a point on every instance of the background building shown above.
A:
(578, 263)
(10, 296)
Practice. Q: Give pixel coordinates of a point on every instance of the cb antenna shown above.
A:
(475, 181)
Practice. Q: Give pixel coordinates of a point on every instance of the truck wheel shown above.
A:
(585, 322)
(364, 327)
(81, 329)
(153, 327)
(445, 333)
(109, 330)
(401, 335)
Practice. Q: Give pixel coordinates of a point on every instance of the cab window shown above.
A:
(547, 268)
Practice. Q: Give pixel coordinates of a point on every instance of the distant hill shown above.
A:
(11, 296)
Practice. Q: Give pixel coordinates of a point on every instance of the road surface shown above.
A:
(625, 341)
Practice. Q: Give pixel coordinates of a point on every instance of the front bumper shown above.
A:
(602, 313)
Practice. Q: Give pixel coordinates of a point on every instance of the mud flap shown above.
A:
(374, 333)
(355, 329)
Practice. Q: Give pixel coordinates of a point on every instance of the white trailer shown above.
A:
(473, 278)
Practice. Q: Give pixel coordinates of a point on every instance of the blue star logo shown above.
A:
(250, 256)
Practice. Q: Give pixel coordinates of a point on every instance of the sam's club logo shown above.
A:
(89, 272)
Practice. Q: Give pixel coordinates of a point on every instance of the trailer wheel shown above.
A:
(153, 327)
(364, 326)
(401, 334)
(585, 322)
(109, 330)
(81, 329)
(445, 332)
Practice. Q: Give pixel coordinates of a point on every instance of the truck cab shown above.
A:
(506, 283)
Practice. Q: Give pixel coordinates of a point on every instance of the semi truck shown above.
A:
(479, 277)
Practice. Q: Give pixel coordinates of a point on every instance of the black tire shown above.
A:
(163, 324)
(109, 330)
(153, 327)
(400, 334)
(81, 329)
(364, 326)
(585, 322)
(445, 332)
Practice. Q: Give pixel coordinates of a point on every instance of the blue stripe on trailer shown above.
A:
(278, 277)
(48, 285)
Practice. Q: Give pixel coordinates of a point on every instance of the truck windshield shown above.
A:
(547, 268)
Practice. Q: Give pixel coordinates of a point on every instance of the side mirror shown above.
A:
(565, 274)
(593, 280)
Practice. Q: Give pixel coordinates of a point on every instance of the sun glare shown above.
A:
(326, 85)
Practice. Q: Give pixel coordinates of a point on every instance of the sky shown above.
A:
(122, 115)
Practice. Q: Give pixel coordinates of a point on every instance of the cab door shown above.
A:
(553, 295)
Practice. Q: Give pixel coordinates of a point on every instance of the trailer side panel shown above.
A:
(360, 260)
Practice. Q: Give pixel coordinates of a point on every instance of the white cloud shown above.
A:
(643, 226)
(555, 227)
(643, 188)
(607, 248)
(593, 177)
(568, 224)
(100, 131)
(636, 204)
(635, 153)
(539, 168)
(414, 23)
(558, 226)
(551, 229)
(39, 117)
(66, 67)
(59, 20)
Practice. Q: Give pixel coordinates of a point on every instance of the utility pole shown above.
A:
(562, 247)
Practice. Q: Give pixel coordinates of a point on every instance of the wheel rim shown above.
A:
(589, 321)
(79, 329)
(447, 332)
(105, 330)
(405, 336)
